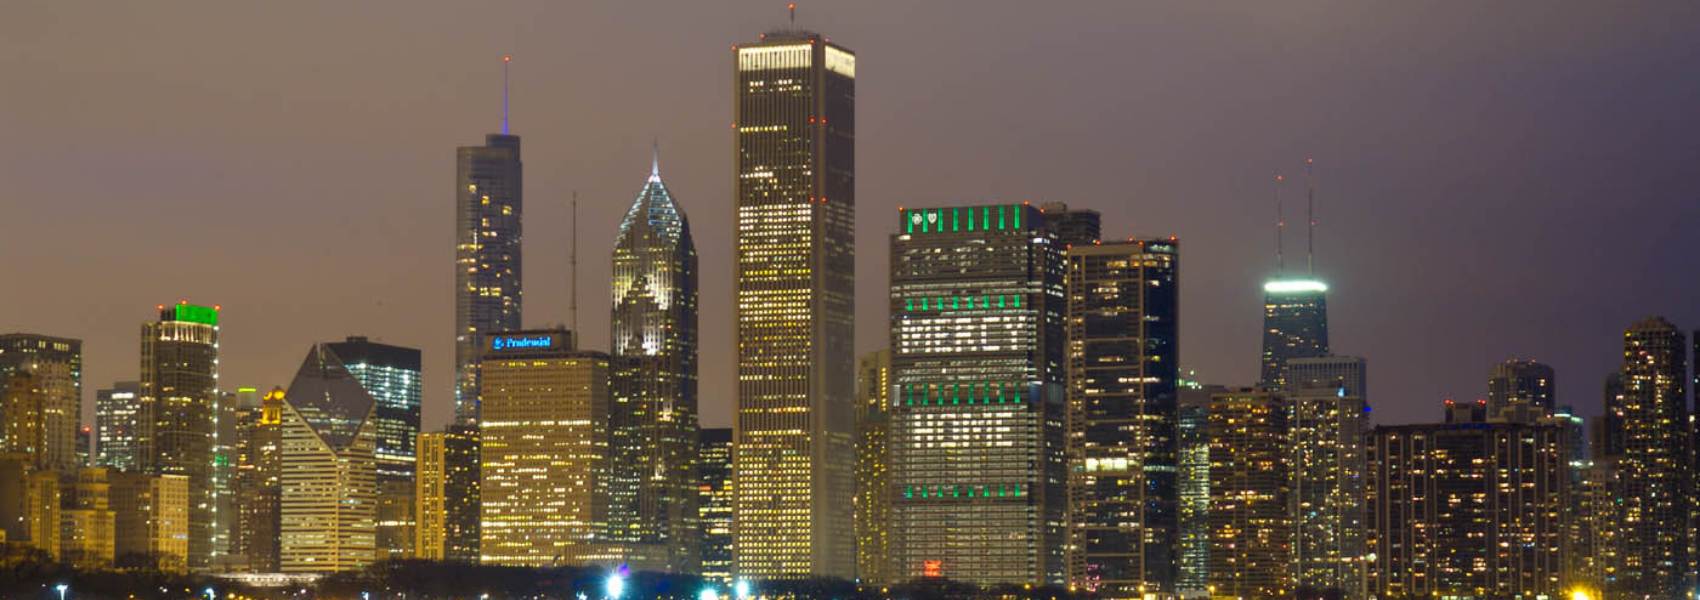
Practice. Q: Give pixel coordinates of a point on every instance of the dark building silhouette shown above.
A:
(489, 201)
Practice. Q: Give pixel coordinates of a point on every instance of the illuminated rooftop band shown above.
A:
(1294, 285)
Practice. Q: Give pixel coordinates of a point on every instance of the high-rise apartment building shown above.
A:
(1192, 434)
(489, 200)
(224, 517)
(1521, 382)
(1250, 530)
(177, 403)
(977, 448)
(1467, 508)
(259, 482)
(873, 472)
(391, 374)
(329, 506)
(653, 438)
(1656, 468)
(1596, 550)
(1327, 418)
(57, 365)
(794, 122)
(447, 495)
(1295, 325)
(1123, 371)
(115, 426)
(545, 451)
(150, 516)
(714, 466)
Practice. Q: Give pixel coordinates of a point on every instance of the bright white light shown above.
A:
(708, 593)
(616, 585)
(741, 590)
(1295, 285)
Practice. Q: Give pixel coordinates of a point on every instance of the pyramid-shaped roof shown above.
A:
(329, 398)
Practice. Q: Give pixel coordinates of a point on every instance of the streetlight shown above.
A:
(616, 585)
(211, 595)
(708, 593)
(62, 589)
(741, 590)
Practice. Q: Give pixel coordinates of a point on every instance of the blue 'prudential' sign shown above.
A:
(518, 342)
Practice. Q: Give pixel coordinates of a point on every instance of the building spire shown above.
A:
(505, 60)
(572, 263)
(655, 163)
(1310, 218)
(1280, 264)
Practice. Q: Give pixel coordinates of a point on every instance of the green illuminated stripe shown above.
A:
(955, 219)
(196, 314)
(1017, 211)
(1000, 219)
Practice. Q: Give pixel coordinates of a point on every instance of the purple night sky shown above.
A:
(1495, 179)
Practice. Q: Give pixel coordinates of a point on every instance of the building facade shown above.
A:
(391, 374)
(489, 201)
(1327, 419)
(714, 466)
(873, 473)
(259, 483)
(1656, 469)
(653, 436)
(150, 516)
(1192, 434)
(57, 366)
(87, 527)
(447, 495)
(177, 403)
(1123, 371)
(1295, 325)
(544, 452)
(1250, 530)
(115, 426)
(329, 504)
(23, 408)
(794, 121)
(1521, 382)
(977, 442)
(1073, 227)
(1467, 508)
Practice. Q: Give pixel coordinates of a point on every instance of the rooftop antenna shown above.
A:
(793, 8)
(572, 263)
(655, 163)
(1280, 264)
(505, 60)
(1310, 216)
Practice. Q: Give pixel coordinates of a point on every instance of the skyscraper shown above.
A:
(1193, 437)
(1467, 508)
(545, 451)
(87, 525)
(653, 440)
(794, 118)
(978, 463)
(391, 375)
(1250, 532)
(1295, 325)
(150, 516)
(329, 502)
(873, 472)
(1123, 370)
(489, 199)
(1076, 227)
(177, 399)
(115, 426)
(1521, 382)
(23, 409)
(714, 465)
(1327, 417)
(259, 481)
(57, 364)
(447, 495)
(1655, 468)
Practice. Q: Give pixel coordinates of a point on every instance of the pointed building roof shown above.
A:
(329, 398)
(655, 210)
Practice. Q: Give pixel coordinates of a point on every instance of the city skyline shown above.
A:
(1370, 222)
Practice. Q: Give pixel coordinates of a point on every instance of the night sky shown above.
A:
(1494, 179)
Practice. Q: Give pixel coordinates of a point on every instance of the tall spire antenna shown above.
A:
(1280, 264)
(505, 60)
(572, 262)
(793, 8)
(655, 163)
(1310, 218)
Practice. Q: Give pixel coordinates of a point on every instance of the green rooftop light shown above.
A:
(197, 314)
(1293, 286)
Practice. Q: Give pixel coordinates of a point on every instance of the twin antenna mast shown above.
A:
(1310, 222)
